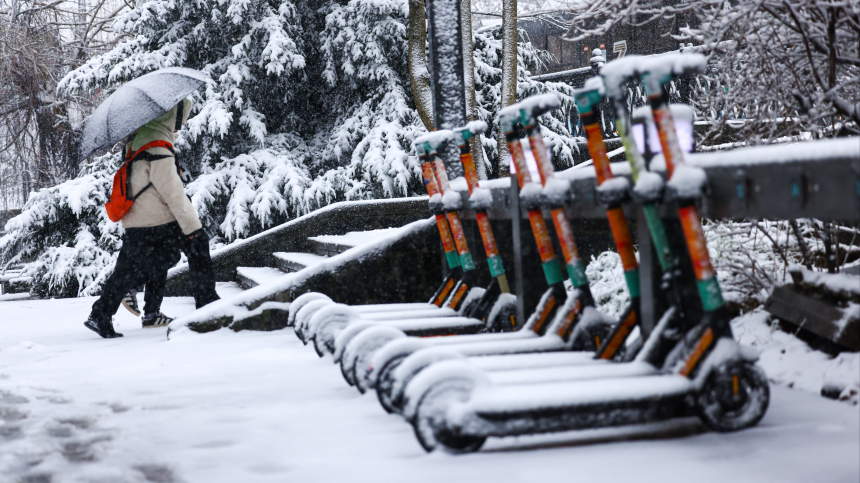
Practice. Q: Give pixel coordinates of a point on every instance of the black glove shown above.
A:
(196, 248)
(198, 235)
(184, 174)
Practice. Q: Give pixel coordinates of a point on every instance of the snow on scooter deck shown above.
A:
(595, 369)
(384, 308)
(514, 362)
(545, 399)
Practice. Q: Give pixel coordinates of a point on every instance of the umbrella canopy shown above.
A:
(136, 103)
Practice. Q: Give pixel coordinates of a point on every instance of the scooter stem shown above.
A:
(494, 261)
(442, 224)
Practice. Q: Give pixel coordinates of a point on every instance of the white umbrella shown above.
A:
(136, 103)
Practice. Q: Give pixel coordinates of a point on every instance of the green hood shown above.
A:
(160, 128)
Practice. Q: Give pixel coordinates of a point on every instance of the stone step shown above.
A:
(12, 282)
(331, 245)
(228, 289)
(15, 296)
(295, 261)
(250, 277)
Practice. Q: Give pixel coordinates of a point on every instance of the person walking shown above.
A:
(160, 223)
(156, 285)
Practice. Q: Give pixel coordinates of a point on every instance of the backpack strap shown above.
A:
(135, 197)
(142, 155)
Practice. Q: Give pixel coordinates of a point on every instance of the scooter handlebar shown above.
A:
(589, 96)
(470, 130)
(660, 70)
(617, 73)
(528, 110)
(434, 139)
(420, 149)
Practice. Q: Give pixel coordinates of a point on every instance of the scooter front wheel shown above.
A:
(430, 423)
(591, 338)
(735, 396)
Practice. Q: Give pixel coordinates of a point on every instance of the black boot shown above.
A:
(102, 328)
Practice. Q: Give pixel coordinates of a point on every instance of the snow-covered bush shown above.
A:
(750, 257)
(65, 233)
(311, 104)
(778, 68)
(608, 286)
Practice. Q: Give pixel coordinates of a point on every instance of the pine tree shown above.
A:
(488, 81)
(65, 233)
(310, 103)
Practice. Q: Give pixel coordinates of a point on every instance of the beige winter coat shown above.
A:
(164, 201)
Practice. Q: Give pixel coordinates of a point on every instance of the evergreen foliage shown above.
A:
(64, 230)
(310, 104)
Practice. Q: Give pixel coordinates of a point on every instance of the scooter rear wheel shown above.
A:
(358, 354)
(430, 425)
(735, 396)
(385, 384)
(319, 346)
(346, 370)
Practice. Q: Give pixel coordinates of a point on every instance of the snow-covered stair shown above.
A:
(331, 245)
(296, 261)
(268, 270)
(250, 277)
(323, 247)
(11, 282)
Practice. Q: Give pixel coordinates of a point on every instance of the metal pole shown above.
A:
(446, 69)
(516, 227)
(647, 288)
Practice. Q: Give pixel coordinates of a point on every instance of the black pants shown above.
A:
(154, 294)
(202, 283)
(145, 257)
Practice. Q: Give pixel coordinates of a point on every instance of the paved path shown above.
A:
(261, 407)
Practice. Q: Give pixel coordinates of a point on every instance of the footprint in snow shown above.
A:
(157, 473)
(9, 398)
(10, 422)
(33, 432)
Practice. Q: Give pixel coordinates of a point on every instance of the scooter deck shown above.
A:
(481, 338)
(533, 344)
(417, 310)
(435, 326)
(514, 362)
(523, 333)
(526, 409)
(525, 342)
(593, 369)
(425, 313)
(420, 359)
(382, 308)
(429, 326)
(492, 400)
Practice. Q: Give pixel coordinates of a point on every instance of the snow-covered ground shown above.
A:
(250, 406)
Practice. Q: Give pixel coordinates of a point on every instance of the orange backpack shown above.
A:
(120, 201)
